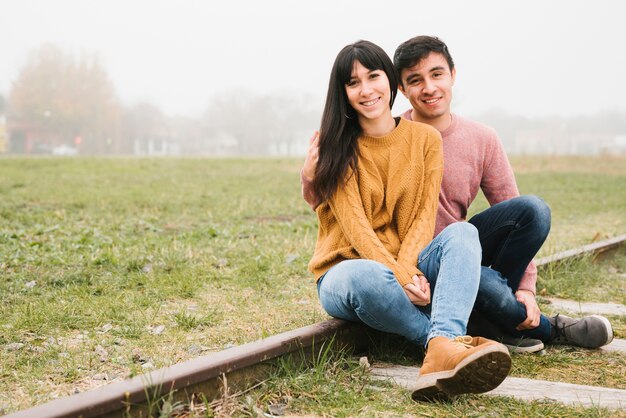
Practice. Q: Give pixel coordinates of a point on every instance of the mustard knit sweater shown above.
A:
(387, 211)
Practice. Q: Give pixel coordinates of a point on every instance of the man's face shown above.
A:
(428, 87)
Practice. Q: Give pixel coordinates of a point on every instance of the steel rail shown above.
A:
(242, 366)
(597, 249)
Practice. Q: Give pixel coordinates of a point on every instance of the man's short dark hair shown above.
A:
(411, 52)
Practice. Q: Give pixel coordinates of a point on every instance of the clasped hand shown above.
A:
(418, 291)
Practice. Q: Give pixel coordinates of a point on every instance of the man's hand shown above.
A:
(418, 291)
(533, 314)
(312, 156)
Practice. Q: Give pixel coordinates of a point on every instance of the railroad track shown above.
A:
(241, 366)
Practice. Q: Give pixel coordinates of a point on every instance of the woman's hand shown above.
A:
(312, 156)
(418, 291)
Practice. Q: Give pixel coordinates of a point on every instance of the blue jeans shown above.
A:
(367, 291)
(511, 233)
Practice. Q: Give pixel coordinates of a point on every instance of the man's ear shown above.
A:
(401, 88)
(453, 73)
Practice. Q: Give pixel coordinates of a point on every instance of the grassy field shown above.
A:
(111, 267)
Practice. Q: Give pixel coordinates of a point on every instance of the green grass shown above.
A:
(583, 280)
(111, 267)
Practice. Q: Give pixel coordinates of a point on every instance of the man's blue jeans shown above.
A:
(367, 291)
(511, 233)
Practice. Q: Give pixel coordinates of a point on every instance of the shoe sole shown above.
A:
(478, 373)
(430, 394)
(519, 349)
(609, 330)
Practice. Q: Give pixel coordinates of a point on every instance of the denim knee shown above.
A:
(537, 213)
(360, 279)
(463, 235)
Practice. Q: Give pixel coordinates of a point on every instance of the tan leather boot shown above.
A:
(462, 365)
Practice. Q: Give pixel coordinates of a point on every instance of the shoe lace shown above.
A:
(559, 329)
(465, 340)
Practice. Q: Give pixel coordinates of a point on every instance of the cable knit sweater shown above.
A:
(386, 210)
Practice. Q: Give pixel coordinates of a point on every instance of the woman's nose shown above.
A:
(366, 89)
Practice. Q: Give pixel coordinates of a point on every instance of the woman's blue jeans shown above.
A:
(510, 233)
(367, 291)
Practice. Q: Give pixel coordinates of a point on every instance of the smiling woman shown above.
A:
(357, 71)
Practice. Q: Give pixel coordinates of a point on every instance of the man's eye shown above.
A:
(436, 75)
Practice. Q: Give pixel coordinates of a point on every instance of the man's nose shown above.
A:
(429, 86)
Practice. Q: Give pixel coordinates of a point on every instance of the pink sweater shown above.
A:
(473, 159)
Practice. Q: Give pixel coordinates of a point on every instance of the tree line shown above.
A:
(63, 100)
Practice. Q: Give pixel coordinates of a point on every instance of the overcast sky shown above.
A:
(530, 58)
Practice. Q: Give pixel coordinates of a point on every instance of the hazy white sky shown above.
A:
(531, 58)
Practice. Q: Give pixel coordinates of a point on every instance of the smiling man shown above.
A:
(511, 230)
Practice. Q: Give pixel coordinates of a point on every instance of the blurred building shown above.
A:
(156, 146)
(603, 133)
(26, 138)
(548, 141)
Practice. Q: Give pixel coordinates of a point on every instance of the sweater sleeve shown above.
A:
(347, 208)
(498, 181)
(308, 194)
(423, 226)
(498, 184)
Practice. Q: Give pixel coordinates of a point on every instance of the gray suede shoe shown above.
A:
(521, 344)
(589, 332)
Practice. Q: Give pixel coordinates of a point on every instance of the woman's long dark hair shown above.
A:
(340, 129)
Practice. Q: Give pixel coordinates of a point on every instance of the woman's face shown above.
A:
(368, 92)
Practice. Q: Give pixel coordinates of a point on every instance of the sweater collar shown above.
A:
(386, 140)
(453, 122)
